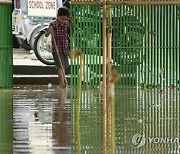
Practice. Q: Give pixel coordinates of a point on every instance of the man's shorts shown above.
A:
(64, 60)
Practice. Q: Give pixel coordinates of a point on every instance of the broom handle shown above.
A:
(54, 41)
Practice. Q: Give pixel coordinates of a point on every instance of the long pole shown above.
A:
(109, 58)
(104, 80)
(54, 42)
(79, 104)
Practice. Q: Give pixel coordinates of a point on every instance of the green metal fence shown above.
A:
(87, 37)
(6, 58)
(145, 52)
(145, 43)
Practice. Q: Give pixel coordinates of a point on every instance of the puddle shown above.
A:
(43, 119)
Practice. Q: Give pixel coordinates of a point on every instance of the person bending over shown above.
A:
(60, 27)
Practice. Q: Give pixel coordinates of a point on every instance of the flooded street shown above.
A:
(43, 119)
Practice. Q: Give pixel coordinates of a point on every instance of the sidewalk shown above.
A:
(27, 70)
(24, 57)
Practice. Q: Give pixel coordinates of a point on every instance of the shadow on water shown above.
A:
(44, 121)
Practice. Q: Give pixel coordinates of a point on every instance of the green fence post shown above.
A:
(6, 59)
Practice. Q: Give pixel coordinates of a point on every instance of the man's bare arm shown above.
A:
(49, 31)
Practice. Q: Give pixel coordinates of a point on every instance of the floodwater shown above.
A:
(46, 120)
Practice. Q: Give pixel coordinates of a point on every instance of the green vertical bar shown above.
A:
(130, 49)
(144, 69)
(156, 46)
(167, 45)
(123, 46)
(151, 72)
(175, 44)
(164, 44)
(95, 44)
(143, 55)
(98, 47)
(153, 60)
(82, 42)
(136, 56)
(119, 48)
(91, 37)
(177, 68)
(172, 65)
(92, 53)
(87, 37)
(177, 52)
(161, 48)
(86, 22)
(170, 45)
(6, 55)
(148, 57)
(126, 46)
(90, 42)
(99, 42)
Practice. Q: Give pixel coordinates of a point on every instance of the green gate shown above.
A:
(145, 42)
(87, 37)
(145, 52)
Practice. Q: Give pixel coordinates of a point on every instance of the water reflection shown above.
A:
(6, 121)
(147, 112)
(146, 121)
(40, 124)
(61, 121)
(90, 122)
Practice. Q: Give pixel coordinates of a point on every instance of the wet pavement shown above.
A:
(40, 125)
(43, 119)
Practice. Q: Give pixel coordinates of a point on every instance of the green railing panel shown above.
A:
(145, 44)
(128, 33)
(6, 62)
(87, 37)
(145, 52)
(161, 46)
